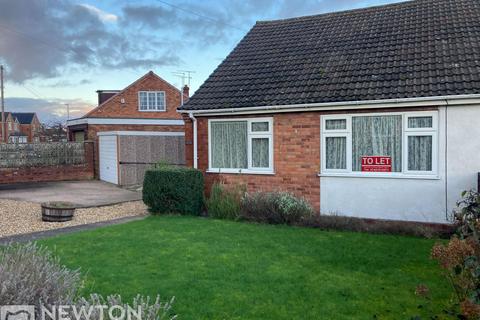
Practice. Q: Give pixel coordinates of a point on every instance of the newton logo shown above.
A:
(17, 312)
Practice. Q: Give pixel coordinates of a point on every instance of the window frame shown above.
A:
(148, 101)
(425, 132)
(406, 132)
(337, 133)
(250, 135)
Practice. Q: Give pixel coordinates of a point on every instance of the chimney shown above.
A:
(186, 94)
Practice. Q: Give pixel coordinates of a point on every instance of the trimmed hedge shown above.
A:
(171, 189)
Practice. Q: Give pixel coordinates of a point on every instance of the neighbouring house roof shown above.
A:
(422, 48)
(24, 117)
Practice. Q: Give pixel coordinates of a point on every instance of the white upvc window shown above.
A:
(404, 144)
(240, 145)
(421, 133)
(151, 101)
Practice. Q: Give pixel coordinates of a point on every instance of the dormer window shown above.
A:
(151, 101)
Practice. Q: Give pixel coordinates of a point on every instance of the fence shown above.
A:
(41, 154)
(55, 161)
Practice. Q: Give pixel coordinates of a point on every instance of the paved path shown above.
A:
(91, 193)
(55, 232)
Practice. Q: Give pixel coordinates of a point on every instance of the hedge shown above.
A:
(171, 189)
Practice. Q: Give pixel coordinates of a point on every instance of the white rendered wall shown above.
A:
(424, 200)
(463, 164)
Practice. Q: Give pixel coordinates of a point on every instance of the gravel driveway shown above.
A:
(18, 217)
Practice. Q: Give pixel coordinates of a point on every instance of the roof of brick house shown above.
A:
(24, 117)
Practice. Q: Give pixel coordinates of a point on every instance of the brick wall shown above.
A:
(82, 171)
(296, 138)
(296, 141)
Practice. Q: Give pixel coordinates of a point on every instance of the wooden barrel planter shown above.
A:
(57, 211)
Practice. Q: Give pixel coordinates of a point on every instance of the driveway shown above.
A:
(90, 193)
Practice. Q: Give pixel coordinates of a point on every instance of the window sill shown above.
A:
(380, 176)
(152, 110)
(244, 171)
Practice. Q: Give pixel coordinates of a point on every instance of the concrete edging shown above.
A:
(33, 236)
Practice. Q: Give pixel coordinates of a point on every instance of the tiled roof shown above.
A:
(410, 49)
(24, 117)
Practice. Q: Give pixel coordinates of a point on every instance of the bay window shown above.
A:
(392, 144)
(243, 145)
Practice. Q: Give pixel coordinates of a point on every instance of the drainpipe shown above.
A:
(194, 120)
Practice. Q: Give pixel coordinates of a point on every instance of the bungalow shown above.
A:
(371, 113)
(133, 128)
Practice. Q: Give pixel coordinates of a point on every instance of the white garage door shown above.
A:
(108, 158)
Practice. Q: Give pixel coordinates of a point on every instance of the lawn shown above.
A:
(230, 270)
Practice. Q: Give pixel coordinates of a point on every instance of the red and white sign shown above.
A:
(376, 164)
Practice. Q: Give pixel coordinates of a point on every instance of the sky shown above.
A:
(59, 52)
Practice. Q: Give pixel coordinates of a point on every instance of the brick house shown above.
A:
(143, 115)
(11, 125)
(371, 113)
(29, 125)
(21, 127)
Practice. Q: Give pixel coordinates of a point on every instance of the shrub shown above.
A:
(31, 275)
(172, 189)
(150, 309)
(224, 202)
(275, 208)
(345, 223)
(460, 258)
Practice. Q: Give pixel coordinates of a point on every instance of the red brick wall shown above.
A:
(93, 129)
(296, 138)
(113, 108)
(51, 173)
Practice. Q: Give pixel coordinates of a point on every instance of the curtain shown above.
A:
(143, 101)
(377, 136)
(336, 152)
(160, 101)
(420, 122)
(420, 153)
(259, 126)
(229, 144)
(151, 101)
(260, 156)
(336, 124)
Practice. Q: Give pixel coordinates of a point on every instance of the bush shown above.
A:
(31, 275)
(460, 258)
(345, 223)
(224, 202)
(172, 189)
(275, 208)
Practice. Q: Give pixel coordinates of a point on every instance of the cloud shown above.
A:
(66, 83)
(102, 15)
(53, 35)
(49, 110)
(209, 27)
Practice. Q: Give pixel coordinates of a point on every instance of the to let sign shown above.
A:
(376, 164)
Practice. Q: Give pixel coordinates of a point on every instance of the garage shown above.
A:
(125, 155)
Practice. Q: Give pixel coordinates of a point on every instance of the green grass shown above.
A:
(230, 270)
